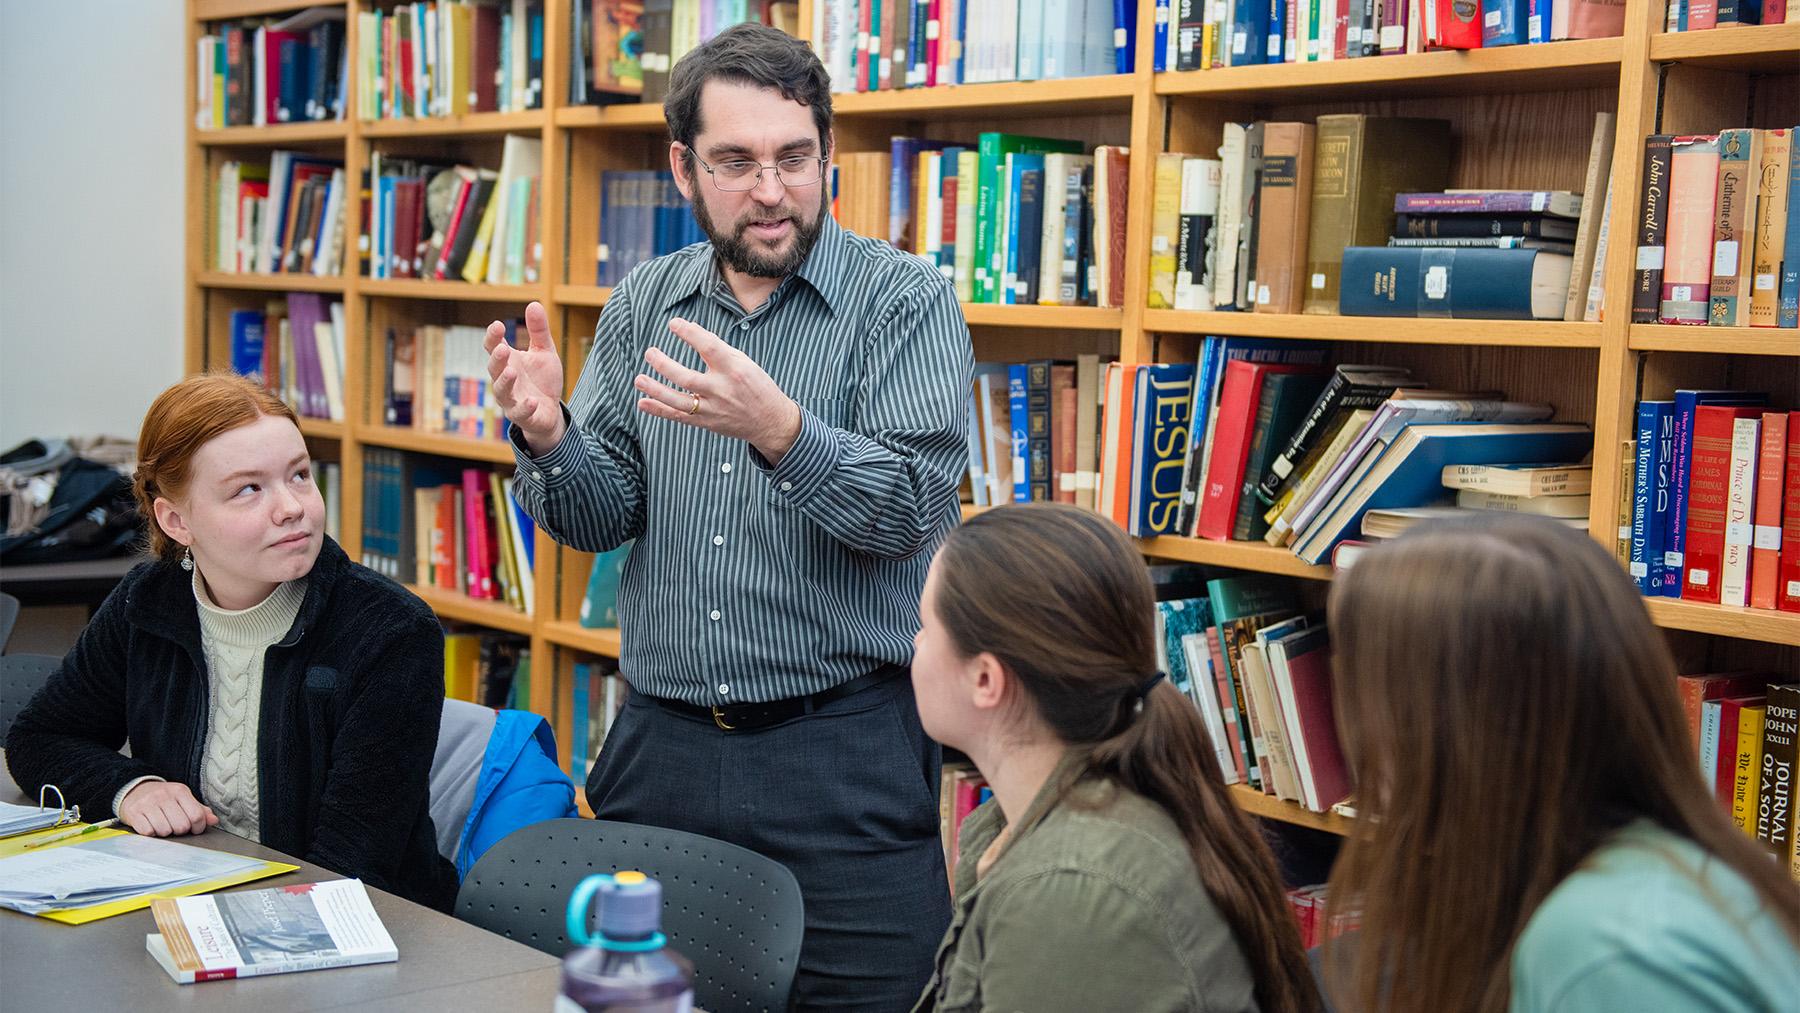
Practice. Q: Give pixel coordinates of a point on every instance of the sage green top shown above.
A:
(1650, 922)
(1093, 904)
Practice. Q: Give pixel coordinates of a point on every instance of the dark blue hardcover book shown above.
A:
(915, 42)
(1503, 22)
(606, 264)
(1160, 55)
(1124, 35)
(290, 77)
(1740, 12)
(1650, 493)
(1539, 17)
(1460, 282)
(1276, 48)
(1161, 428)
(1675, 543)
(1020, 409)
(247, 343)
(1038, 418)
(1026, 226)
(1787, 313)
(1249, 32)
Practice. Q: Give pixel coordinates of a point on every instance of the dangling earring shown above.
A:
(187, 560)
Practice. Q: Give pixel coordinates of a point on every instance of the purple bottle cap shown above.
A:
(630, 907)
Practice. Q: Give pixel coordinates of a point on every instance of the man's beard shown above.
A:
(742, 255)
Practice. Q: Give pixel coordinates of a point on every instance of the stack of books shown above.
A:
(263, 71)
(445, 526)
(285, 216)
(295, 347)
(1744, 726)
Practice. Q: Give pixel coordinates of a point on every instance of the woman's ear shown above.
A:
(168, 517)
(988, 682)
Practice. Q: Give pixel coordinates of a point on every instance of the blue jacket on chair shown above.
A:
(517, 784)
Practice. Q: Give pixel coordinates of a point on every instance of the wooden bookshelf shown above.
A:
(1256, 803)
(1523, 113)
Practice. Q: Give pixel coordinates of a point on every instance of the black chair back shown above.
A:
(21, 676)
(9, 615)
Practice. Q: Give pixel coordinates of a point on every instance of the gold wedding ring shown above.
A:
(695, 410)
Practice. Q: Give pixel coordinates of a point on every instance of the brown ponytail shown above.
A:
(1061, 597)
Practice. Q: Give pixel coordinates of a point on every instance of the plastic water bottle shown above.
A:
(627, 966)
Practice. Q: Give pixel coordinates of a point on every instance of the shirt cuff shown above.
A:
(807, 464)
(119, 798)
(558, 466)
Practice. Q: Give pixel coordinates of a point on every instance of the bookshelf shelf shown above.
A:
(462, 291)
(270, 282)
(460, 447)
(323, 429)
(1257, 804)
(581, 295)
(1092, 318)
(969, 510)
(565, 633)
(467, 125)
(464, 609)
(1734, 340)
(1741, 623)
(638, 116)
(1387, 330)
(276, 135)
(1067, 95)
(1257, 556)
(1739, 47)
(208, 10)
(1548, 67)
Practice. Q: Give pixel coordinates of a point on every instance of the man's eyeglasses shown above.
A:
(738, 175)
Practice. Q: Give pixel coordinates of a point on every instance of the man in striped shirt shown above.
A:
(778, 417)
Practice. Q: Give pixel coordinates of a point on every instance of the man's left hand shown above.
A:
(732, 396)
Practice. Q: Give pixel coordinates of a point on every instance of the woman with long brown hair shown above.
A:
(1535, 834)
(1110, 871)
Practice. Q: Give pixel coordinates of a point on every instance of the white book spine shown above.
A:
(1740, 509)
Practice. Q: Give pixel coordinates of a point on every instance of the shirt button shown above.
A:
(744, 326)
(718, 539)
(787, 487)
(713, 615)
(557, 470)
(537, 474)
(726, 467)
(724, 690)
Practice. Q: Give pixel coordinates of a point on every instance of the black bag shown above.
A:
(92, 516)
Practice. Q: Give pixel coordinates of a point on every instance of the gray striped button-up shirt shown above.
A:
(750, 583)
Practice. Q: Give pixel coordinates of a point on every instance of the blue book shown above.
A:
(606, 265)
(1021, 428)
(1250, 32)
(1503, 22)
(1788, 312)
(1024, 170)
(1539, 19)
(1029, 48)
(1463, 283)
(1410, 472)
(247, 343)
(578, 723)
(1676, 542)
(1062, 38)
(527, 530)
(600, 604)
(1160, 56)
(1161, 430)
(1125, 35)
(1280, 11)
(1650, 493)
(978, 484)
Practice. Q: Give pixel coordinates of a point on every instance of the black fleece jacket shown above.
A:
(351, 700)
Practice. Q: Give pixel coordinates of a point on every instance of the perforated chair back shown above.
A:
(21, 676)
(9, 615)
(736, 914)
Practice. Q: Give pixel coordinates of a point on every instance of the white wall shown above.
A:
(92, 117)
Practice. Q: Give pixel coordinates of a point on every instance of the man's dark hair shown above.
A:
(755, 55)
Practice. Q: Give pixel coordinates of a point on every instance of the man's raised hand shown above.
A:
(731, 396)
(528, 382)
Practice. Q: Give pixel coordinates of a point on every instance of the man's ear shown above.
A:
(678, 165)
(169, 518)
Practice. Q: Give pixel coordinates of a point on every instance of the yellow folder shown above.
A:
(82, 915)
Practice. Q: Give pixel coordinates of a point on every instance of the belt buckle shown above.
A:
(718, 716)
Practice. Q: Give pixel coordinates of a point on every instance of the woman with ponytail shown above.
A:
(1110, 871)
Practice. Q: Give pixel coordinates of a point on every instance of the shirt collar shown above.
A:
(702, 273)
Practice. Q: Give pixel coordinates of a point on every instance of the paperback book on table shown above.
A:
(305, 927)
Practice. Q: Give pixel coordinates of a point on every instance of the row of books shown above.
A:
(1744, 727)
(1352, 214)
(458, 222)
(1558, 491)
(285, 216)
(1012, 219)
(1717, 242)
(597, 693)
(642, 215)
(1713, 515)
(488, 667)
(1318, 922)
(437, 381)
(1698, 15)
(254, 73)
(295, 347)
(445, 526)
(624, 49)
(450, 57)
(877, 45)
(961, 790)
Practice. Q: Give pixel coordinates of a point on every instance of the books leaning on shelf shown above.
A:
(273, 931)
(1207, 35)
(459, 222)
(449, 58)
(879, 45)
(1718, 242)
(961, 790)
(441, 525)
(437, 381)
(283, 217)
(623, 49)
(1743, 727)
(295, 348)
(264, 71)
(1714, 500)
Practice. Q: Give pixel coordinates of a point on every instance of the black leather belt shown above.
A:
(746, 717)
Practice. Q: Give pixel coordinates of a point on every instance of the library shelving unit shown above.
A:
(1522, 115)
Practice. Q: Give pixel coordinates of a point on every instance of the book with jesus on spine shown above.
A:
(304, 927)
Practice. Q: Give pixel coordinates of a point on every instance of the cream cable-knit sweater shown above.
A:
(234, 644)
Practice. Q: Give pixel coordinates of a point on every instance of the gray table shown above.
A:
(445, 964)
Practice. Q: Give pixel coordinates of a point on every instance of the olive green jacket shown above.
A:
(1093, 905)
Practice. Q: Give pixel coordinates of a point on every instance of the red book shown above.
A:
(459, 205)
(1702, 14)
(1787, 581)
(1309, 674)
(406, 228)
(443, 540)
(1695, 690)
(1341, 47)
(934, 30)
(1451, 24)
(1227, 702)
(1120, 508)
(1239, 399)
(1062, 439)
(1774, 12)
(864, 52)
(1765, 541)
(486, 60)
(1725, 767)
(271, 56)
(475, 534)
(1709, 477)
